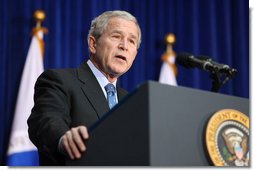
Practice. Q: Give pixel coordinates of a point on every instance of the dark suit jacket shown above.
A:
(64, 98)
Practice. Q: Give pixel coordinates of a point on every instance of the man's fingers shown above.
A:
(73, 141)
(83, 131)
(77, 138)
(66, 146)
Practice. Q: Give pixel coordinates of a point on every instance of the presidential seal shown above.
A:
(227, 138)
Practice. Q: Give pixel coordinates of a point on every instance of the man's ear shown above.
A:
(92, 44)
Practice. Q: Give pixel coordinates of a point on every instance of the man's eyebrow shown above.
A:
(121, 32)
(116, 31)
(132, 36)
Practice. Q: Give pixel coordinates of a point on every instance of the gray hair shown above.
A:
(99, 23)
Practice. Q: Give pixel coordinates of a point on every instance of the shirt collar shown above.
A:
(103, 81)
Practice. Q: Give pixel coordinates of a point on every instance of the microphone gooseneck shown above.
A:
(206, 63)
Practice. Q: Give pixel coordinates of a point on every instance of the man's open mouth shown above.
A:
(121, 57)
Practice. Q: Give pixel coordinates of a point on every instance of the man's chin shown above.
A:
(117, 73)
(118, 70)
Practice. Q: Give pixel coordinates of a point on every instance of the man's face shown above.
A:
(115, 51)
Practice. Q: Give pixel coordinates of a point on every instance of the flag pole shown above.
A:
(39, 16)
(169, 40)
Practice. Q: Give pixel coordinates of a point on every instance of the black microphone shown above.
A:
(223, 68)
(189, 61)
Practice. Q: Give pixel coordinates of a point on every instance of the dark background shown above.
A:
(217, 28)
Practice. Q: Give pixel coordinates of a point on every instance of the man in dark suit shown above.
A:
(69, 101)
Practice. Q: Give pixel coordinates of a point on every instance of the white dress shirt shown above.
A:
(103, 81)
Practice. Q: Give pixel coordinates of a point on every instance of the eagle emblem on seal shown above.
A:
(236, 144)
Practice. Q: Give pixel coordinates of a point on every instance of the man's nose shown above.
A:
(123, 44)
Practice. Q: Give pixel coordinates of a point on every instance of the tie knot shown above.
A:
(110, 88)
(111, 95)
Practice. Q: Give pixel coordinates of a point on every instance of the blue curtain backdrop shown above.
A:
(217, 28)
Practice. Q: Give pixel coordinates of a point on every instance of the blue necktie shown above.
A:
(111, 95)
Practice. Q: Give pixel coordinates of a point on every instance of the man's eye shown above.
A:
(132, 41)
(116, 36)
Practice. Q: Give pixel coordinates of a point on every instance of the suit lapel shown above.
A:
(92, 90)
